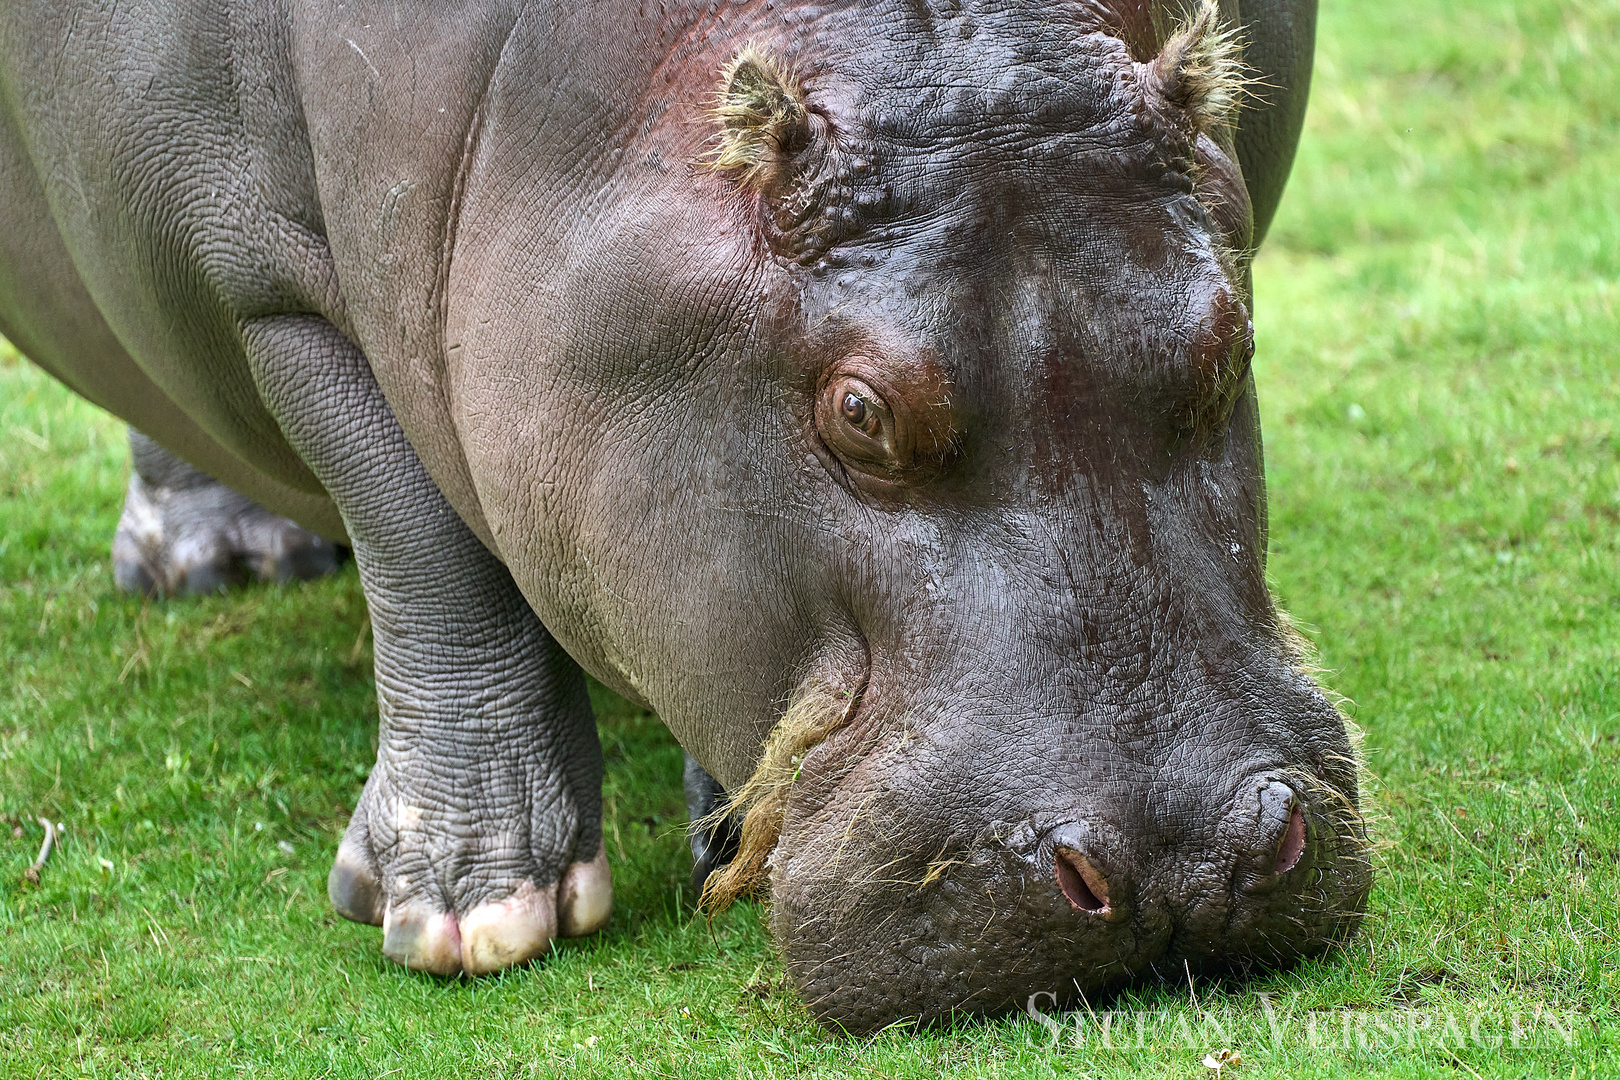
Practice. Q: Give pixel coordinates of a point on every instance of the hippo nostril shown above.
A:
(1084, 887)
(1293, 841)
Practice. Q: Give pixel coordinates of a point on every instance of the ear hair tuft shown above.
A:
(1200, 67)
(760, 110)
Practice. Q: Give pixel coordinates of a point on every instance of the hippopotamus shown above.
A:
(862, 387)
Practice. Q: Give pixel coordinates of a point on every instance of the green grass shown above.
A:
(1440, 382)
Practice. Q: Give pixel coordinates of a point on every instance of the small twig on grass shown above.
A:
(1455, 1060)
(32, 873)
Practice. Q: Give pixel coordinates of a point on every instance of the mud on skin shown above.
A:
(862, 387)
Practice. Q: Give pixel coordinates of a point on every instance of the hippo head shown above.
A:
(910, 416)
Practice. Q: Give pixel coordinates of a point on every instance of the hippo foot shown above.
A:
(183, 532)
(714, 843)
(457, 892)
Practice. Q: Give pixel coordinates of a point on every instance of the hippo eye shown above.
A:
(858, 415)
(858, 425)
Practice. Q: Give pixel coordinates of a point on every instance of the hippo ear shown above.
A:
(1200, 67)
(762, 118)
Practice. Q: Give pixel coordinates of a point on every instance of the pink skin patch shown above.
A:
(1293, 842)
(1082, 885)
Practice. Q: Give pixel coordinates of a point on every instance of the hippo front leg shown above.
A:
(478, 837)
(182, 531)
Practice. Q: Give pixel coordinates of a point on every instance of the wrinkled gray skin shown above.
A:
(448, 287)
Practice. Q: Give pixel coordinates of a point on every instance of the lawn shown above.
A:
(1438, 311)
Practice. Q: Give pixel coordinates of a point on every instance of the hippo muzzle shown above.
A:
(961, 846)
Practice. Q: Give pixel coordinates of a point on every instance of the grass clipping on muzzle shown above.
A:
(762, 801)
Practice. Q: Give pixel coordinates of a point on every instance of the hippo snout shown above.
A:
(1260, 869)
(1293, 877)
(1276, 844)
(1071, 902)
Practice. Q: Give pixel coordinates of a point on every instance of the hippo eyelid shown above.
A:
(871, 436)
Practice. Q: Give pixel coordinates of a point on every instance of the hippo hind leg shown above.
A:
(183, 532)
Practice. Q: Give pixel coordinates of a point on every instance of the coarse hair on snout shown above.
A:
(1356, 816)
(912, 860)
(762, 801)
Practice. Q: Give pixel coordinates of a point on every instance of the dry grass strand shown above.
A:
(763, 799)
